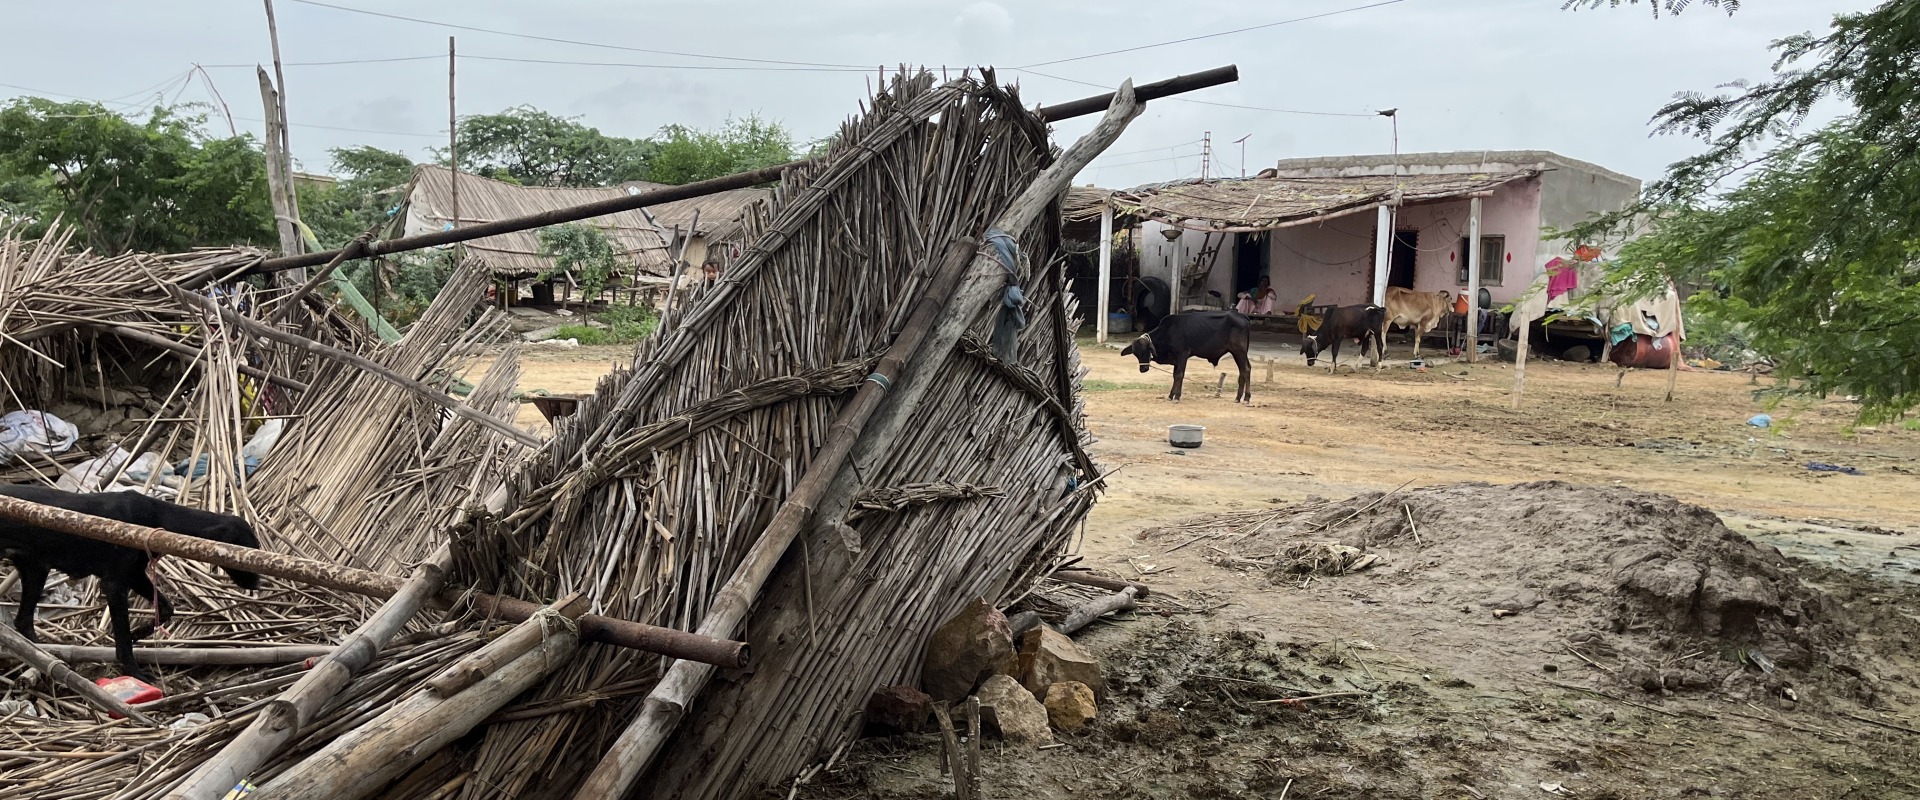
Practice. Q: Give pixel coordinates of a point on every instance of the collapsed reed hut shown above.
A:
(885, 374)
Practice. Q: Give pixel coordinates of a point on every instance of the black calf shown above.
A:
(1362, 323)
(1207, 334)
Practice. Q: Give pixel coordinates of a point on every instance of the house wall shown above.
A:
(1165, 259)
(1333, 260)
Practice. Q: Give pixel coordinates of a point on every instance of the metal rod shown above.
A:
(742, 180)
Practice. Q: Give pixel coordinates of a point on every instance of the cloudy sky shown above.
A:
(1465, 74)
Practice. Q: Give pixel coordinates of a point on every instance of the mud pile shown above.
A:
(1657, 593)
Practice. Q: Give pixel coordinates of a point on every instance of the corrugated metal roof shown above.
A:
(429, 208)
(721, 214)
(1256, 204)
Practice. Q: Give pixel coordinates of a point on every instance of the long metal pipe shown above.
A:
(742, 180)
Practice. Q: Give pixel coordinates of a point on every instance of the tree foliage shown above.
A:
(371, 182)
(1807, 236)
(583, 251)
(157, 186)
(685, 155)
(528, 146)
(1671, 7)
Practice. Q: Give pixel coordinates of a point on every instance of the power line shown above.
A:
(435, 57)
(1200, 37)
(556, 40)
(664, 66)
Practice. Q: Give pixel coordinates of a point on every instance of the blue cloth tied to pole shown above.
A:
(1013, 302)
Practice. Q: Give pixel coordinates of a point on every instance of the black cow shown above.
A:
(1207, 334)
(1362, 323)
(1154, 300)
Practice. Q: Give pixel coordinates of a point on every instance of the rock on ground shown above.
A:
(1070, 705)
(898, 709)
(1048, 656)
(1007, 708)
(965, 651)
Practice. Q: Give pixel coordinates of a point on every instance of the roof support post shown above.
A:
(1473, 280)
(1382, 254)
(1106, 270)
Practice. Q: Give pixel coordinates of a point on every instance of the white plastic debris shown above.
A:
(36, 431)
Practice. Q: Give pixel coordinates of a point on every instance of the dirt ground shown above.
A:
(1462, 703)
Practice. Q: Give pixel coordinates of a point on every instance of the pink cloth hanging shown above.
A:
(1562, 277)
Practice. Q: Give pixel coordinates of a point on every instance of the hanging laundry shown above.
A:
(1562, 277)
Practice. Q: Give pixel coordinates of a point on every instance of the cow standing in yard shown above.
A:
(1207, 334)
(1362, 323)
(1419, 311)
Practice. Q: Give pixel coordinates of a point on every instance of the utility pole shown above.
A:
(1206, 153)
(1242, 141)
(453, 135)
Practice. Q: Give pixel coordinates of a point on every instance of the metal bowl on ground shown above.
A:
(1185, 435)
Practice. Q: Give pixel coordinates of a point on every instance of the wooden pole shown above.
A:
(950, 313)
(13, 642)
(453, 135)
(1083, 616)
(1382, 253)
(290, 713)
(1473, 280)
(1106, 268)
(362, 761)
(421, 390)
(280, 113)
(1101, 581)
(1520, 358)
(623, 633)
(193, 355)
(1673, 365)
(742, 180)
(279, 183)
(194, 656)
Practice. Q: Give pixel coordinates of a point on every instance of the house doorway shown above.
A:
(1249, 260)
(1406, 252)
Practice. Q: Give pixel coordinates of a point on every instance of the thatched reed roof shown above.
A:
(429, 208)
(720, 215)
(1257, 204)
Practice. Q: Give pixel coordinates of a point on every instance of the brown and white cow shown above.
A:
(1420, 311)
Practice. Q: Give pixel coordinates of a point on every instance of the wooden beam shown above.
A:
(12, 642)
(1473, 280)
(742, 180)
(606, 630)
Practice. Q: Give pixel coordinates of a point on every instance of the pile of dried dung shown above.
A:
(1654, 592)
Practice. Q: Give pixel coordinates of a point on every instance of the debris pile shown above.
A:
(1657, 593)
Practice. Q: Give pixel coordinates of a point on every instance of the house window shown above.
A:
(1493, 260)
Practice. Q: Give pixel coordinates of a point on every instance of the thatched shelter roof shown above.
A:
(720, 215)
(429, 207)
(1257, 204)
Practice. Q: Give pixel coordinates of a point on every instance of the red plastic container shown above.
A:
(131, 691)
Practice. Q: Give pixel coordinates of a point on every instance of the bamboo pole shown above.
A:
(359, 763)
(279, 179)
(1054, 113)
(505, 649)
(290, 713)
(453, 137)
(191, 354)
(636, 747)
(194, 656)
(605, 630)
(422, 390)
(54, 668)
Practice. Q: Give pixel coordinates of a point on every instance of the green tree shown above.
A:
(1807, 237)
(529, 146)
(158, 186)
(686, 154)
(371, 182)
(583, 251)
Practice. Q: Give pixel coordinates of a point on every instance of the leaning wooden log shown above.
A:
(502, 650)
(1054, 113)
(938, 319)
(54, 668)
(194, 656)
(360, 762)
(1085, 578)
(290, 713)
(604, 630)
(421, 390)
(1099, 607)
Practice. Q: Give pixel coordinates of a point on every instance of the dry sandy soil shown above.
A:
(1591, 690)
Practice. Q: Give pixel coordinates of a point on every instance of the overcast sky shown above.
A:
(1465, 74)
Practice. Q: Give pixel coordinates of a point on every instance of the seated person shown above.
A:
(1259, 301)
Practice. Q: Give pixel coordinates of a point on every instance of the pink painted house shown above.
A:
(1314, 226)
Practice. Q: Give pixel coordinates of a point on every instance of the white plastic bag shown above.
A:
(38, 431)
